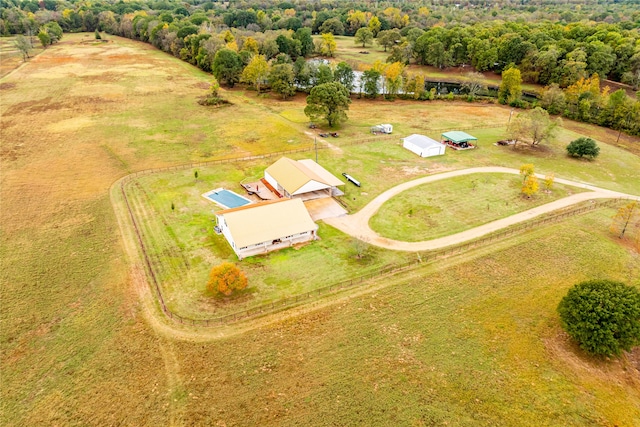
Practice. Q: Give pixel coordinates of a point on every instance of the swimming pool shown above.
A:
(226, 199)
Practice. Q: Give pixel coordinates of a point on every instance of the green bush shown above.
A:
(583, 147)
(603, 316)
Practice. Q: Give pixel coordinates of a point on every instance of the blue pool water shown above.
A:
(227, 199)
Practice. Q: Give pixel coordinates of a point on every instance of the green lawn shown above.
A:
(453, 205)
(183, 246)
(471, 340)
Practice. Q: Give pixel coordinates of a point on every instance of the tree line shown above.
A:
(267, 42)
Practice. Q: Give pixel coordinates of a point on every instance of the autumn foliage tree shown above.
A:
(627, 220)
(226, 278)
(530, 186)
(256, 72)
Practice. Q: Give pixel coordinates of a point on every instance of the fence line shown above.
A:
(313, 147)
(423, 258)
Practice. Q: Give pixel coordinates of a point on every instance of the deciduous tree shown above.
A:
(282, 81)
(474, 84)
(603, 316)
(534, 126)
(548, 181)
(22, 44)
(510, 87)
(530, 185)
(364, 36)
(553, 99)
(328, 45)
(227, 66)
(329, 101)
(344, 74)
(626, 218)
(374, 25)
(371, 78)
(226, 278)
(388, 38)
(527, 170)
(256, 72)
(394, 75)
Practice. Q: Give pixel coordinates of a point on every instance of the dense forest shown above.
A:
(567, 46)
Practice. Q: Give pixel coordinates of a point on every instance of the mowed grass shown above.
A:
(381, 164)
(453, 205)
(184, 247)
(78, 348)
(474, 342)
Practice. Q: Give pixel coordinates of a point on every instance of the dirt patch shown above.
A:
(625, 370)
(36, 106)
(7, 86)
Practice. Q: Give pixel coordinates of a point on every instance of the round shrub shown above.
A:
(583, 147)
(603, 316)
(226, 278)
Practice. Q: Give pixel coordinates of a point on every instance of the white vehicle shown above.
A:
(384, 128)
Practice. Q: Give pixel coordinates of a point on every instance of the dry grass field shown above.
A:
(473, 340)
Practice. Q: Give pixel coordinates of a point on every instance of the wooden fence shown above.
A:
(274, 306)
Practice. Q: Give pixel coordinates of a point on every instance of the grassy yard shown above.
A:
(471, 341)
(453, 205)
(184, 247)
(474, 342)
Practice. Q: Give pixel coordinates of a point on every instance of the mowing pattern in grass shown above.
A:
(453, 205)
(183, 246)
(475, 343)
(76, 349)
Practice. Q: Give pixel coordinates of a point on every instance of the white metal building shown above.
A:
(266, 226)
(423, 146)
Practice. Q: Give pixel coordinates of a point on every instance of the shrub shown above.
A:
(225, 278)
(583, 147)
(603, 316)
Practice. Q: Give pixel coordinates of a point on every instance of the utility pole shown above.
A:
(315, 144)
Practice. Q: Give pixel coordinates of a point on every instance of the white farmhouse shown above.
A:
(423, 146)
(301, 178)
(266, 226)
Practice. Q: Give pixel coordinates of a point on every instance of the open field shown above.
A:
(473, 340)
(457, 204)
(11, 57)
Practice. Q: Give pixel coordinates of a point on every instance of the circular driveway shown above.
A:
(357, 225)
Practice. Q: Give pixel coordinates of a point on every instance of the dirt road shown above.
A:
(357, 224)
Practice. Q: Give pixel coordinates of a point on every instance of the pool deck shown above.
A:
(260, 190)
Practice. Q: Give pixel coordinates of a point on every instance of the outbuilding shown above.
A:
(302, 178)
(459, 140)
(423, 146)
(266, 226)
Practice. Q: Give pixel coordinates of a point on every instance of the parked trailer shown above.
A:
(384, 128)
(351, 179)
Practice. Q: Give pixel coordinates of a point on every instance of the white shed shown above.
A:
(423, 146)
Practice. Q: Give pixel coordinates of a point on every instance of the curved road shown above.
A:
(357, 224)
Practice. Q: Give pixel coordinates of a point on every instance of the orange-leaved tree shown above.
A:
(225, 278)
